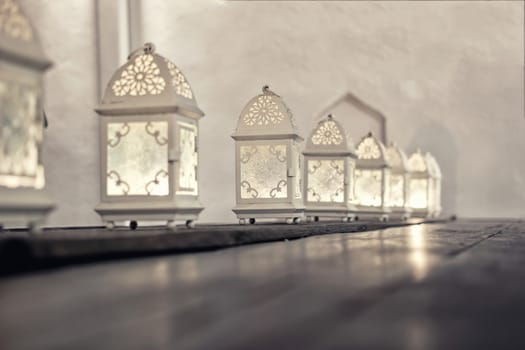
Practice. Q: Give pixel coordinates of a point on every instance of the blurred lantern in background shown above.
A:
(329, 170)
(435, 185)
(399, 177)
(22, 66)
(420, 192)
(268, 161)
(149, 143)
(372, 179)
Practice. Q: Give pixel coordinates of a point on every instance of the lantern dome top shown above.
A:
(18, 40)
(266, 116)
(418, 163)
(329, 137)
(149, 83)
(433, 166)
(396, 157)
(371, 151)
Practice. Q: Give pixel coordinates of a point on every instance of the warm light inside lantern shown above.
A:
(368, 187)
(419, 193)
(20, 135)
(137, 154)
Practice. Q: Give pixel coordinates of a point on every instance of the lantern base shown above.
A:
(274, 210)
(343, 213)
(421, 213)
(149, 211)
(373, 213)
(24, 207)
(400, 213)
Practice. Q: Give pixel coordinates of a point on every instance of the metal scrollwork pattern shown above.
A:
(114, 141)
(245, 185)
(156, 133)
(277, 189)
(264, 111)
(368, 149)
(278, 153)
(179, 81)
(368, 185)
(114, 176)
(261, 168)
(156, 181)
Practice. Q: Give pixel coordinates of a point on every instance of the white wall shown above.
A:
(448, 76)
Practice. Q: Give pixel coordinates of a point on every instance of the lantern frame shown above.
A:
(399, 168)
(328, 142)
(377, 162)
(23, 198)
(436, 178)
(175, 106)
(420, 171)
(267, 121)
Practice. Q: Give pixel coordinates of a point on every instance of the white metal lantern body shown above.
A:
(372, 179)
(23, 201)
(149, 143)
(329, 165)
(399, 180)
(421, 198)
(435, 185)
(268, 161)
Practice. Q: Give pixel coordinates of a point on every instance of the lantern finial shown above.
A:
(369, 134)
(330, 116)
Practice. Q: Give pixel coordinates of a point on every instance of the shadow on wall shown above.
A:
(436, 139)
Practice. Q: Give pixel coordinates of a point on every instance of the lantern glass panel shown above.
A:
(397, 190)
(263, 171)
(137, 154)
(20, 134)
(298, 173)
(325, 181)
(368, 184)
(419, 193)
(187, 184)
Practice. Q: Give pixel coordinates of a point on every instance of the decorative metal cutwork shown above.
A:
(263, 111)
(178, 80)
(118, 135)
(156, 181)
(368, 149)
(278, 188)
(13, 22)
(142, 77)
(115, 176)
(156, 133)
(327, 133)
(417, 162)
(368, 184)
(312, 194)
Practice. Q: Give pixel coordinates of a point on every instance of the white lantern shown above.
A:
(435, 185)
(149, 143)
(372, 179)
(268, 161)
(22, 65)
(399, 178)
(329, 164)
(420, 185)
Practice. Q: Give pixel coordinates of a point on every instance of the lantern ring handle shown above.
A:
(147, 48)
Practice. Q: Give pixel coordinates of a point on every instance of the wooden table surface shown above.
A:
(456, 285)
